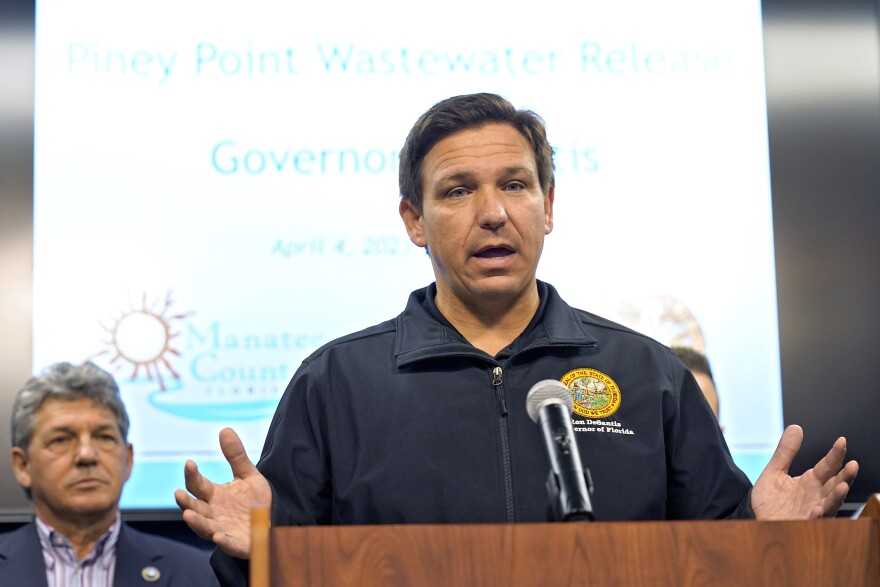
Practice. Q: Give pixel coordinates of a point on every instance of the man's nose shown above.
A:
(86, 452)
(492, 213)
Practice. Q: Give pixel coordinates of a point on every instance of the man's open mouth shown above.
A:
(494, 252)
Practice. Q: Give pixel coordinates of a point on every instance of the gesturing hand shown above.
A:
(222, 512)
(818, 492)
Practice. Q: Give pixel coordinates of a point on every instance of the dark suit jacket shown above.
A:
(21, 560)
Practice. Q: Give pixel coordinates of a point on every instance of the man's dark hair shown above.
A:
(462, 113)
(693, 360)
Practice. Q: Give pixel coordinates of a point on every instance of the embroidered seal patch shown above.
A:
(595, 394)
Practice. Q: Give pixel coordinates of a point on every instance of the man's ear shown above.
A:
(129, 449)
(21, 467)
(412, 219)
(548, 210)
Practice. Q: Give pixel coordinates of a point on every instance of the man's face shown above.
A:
(483, 217)
(76, 462)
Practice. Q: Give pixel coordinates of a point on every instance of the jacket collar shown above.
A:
(423, 333)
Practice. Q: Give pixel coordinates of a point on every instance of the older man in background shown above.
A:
(72, 457)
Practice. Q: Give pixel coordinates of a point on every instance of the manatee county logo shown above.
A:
(595, 394)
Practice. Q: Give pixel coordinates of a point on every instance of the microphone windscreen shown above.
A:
(548, 391)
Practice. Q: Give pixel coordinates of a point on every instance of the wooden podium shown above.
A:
(826, 552)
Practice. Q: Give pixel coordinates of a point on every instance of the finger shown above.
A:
(233, 450)
(849, 472)
(834, 500)
(839, 488)
(196, 483)
(846, 475)
(829, 465)
(188, 503)
(184, 500)
(198, 524)
(788, 447)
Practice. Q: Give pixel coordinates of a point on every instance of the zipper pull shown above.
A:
(499, 389)
(496, 376)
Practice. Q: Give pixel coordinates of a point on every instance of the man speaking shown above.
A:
(422, 419)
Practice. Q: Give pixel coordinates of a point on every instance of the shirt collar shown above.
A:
(56, 547)
(422, 332)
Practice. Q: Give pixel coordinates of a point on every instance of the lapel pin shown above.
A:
(150, 574)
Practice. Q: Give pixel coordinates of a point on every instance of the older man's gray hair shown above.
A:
(66, 382)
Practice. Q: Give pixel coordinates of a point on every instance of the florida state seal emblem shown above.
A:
(595, 394)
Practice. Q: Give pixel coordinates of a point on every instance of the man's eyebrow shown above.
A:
(63, 428)
(106, 426)
(456, 177)
(510, 170)
(67, 429)
(516, 169)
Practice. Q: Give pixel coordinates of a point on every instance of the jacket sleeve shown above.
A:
(703, 481)
(230, 571)
(295, 457)
(294, 462)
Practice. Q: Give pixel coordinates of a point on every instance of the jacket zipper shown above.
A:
(506, 468)
(499, 390)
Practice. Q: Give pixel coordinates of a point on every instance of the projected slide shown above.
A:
(216, 191)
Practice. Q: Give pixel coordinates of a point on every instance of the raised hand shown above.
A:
(222, 512)
(817, 493)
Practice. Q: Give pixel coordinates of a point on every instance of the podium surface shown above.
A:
(727, 552)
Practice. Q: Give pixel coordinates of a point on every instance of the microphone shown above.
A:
(549, 403)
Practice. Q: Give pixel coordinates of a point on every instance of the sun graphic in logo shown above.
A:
(141, 336)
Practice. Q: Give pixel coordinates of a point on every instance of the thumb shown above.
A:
(788, 447)
(236, 456)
